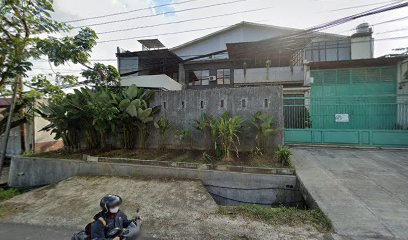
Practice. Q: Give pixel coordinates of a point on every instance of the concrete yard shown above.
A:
(171, 209)
(363, 192)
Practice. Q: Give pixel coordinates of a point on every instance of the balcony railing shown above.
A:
(271, 75)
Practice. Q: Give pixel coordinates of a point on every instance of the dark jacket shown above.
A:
(99, 230)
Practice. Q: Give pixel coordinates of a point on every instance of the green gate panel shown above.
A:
(298, 135)
(390, 138)
(365, 137)
(368, 96)
(381, 138)
(317, 137)
(341, 137)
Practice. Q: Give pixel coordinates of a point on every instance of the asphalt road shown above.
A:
(12, 231)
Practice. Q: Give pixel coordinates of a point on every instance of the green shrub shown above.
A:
(206, 125)
(164, 126)
(262, 123)
(184, 136)
(283, 153)
(228, 134)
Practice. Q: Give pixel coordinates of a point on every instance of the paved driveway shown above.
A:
(363, 192)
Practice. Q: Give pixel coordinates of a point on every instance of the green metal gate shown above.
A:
(351, 107)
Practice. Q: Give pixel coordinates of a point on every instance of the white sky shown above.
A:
(287, 13)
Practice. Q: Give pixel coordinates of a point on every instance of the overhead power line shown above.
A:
(195, 30)
(163, 34)
(330, 24)
(360, 6)
(381, 23)
(314, 29)
(335, 23)
(130, 11)
(374, 11)
(183, 21)
(161, 14)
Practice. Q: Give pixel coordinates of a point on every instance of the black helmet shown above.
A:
(110, 201)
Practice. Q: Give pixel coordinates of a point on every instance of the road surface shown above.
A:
(13, 231)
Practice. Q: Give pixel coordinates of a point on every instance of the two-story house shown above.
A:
(244, 54)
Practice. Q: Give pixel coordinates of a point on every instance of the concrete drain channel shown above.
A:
(228, 185)
(287, 196)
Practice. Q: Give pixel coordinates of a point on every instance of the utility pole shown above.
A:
(8, 125)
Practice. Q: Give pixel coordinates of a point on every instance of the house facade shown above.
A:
(334, 91)
(246, 54)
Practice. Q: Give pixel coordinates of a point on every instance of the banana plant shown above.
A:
(139, 111)
(97, 116)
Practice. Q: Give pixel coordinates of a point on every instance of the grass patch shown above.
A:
(191, 156)
(280, 216)
(8, 193)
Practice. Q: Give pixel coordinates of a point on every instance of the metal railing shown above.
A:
(387, 112)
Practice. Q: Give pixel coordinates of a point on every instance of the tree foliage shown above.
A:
(21, 24)
(26, 34)
(98, 117)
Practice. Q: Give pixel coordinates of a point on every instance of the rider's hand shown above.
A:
(116, 238)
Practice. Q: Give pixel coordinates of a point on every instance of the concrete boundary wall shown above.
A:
(183, 108)
(226, 187)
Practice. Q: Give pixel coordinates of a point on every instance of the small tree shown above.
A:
(164, 126)
(23, 24)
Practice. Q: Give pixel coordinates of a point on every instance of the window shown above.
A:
(197, 78)
(222, 103)
(223, 76)
(330, 50)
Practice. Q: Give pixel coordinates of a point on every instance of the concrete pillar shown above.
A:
(182, 75)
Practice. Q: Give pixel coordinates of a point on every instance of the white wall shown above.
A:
(244, 33)
(362, 47)
(276, 74)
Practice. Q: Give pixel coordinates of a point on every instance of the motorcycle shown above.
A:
(132, 232)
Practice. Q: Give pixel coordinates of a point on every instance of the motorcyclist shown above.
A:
(109, 218)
